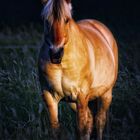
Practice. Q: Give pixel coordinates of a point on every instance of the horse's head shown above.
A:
(56, 14)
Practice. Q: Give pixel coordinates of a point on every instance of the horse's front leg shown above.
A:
(84, 118)
(52, 106)
(102, 113)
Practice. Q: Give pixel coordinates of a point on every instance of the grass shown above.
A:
(23, 115)
(23, 35)
(22, 111)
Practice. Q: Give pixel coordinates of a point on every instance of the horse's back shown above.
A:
(100, 28)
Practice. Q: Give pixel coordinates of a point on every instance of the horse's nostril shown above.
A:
(61, 50)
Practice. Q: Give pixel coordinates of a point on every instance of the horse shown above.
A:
(78, 63)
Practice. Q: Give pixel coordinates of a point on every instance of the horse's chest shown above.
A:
(63, 84)
(70, 86)
(73, 84)
(67, 83)
(53, 75)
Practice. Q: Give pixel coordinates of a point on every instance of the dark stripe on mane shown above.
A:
(58, 9)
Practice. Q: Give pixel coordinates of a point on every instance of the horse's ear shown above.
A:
(68, 1)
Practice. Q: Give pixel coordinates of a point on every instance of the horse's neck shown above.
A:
(75, 52)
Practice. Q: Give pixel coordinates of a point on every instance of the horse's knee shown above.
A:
(102, 114)
(55, 124)
(84, 116)
(82, 119)
(52, 107)
(90, 121)
(85, 123)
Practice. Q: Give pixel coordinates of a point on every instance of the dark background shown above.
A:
(23, 114)
(121, 16)
(15, 11)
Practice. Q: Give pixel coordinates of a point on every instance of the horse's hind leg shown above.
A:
(52, 106)
(84, 118)
(102, 112)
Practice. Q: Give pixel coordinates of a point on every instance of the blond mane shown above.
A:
(56, 10)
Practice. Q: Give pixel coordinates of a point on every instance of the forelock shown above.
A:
(56, 10)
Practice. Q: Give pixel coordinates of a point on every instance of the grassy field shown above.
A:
(23, 114)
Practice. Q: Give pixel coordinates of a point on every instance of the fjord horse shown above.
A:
(78, 62)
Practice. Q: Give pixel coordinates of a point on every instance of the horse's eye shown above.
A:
(66, 20)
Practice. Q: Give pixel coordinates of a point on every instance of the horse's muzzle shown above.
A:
(56, 55)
